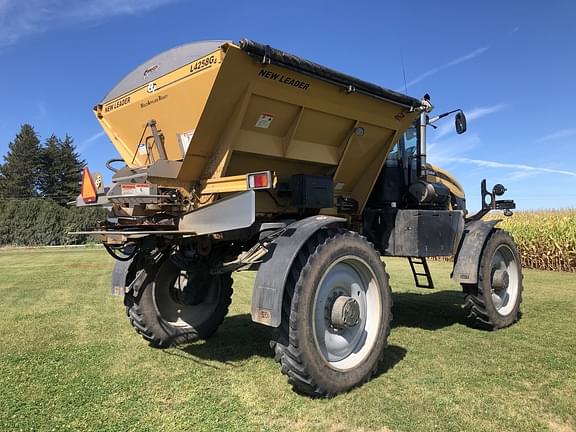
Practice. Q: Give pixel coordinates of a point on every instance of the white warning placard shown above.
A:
(264, 121)
(185, 138)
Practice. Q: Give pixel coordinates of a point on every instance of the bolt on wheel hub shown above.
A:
(345, 312)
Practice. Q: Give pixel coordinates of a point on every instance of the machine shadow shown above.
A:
(428, 310)
(239, 338)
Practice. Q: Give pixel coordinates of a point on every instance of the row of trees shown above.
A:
(31, 170)
(37, 180)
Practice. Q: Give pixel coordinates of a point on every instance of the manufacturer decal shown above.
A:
(151, 87)
(153, 101)
(264, 315)
(202, 64)
(400, 116)
(150, 70)
(283, 79)
(117, 104)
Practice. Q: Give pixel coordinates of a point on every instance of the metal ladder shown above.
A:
(420, 269)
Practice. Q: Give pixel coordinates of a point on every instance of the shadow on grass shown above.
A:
(240, 339)
(431, 310)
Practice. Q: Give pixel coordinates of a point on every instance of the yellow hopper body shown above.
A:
(223, 110)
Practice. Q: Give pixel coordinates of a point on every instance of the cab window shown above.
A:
(407, 145)
(410, 139)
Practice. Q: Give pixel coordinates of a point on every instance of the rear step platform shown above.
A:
(420, 270)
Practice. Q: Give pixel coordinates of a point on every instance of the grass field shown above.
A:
(70, 361)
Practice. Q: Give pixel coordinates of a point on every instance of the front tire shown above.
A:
(166, 314)
(494, 302)
(336, 315)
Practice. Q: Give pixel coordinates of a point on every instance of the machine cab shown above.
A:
(403, 183)
(399, 171)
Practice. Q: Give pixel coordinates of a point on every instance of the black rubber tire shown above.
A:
(478, 303)
(160, 333)
(294, 344)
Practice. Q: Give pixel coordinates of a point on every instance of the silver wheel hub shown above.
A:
(345, 312)
(505, 280)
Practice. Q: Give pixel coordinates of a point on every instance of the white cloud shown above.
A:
(562, 133)
(479, 112)
(519, 175)
(473, 114)
(452, 147)
(88, 141)
(451, 63)
(519, 167)
(22, 18)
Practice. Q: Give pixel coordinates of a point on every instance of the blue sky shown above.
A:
(510, 65)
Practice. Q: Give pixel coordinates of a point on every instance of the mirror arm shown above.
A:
(438, 117)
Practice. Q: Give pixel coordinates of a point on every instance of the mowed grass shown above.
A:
(69, 360)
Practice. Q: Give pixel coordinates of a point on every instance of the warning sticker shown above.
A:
(185, 139)
(135, 189)
(264, 121)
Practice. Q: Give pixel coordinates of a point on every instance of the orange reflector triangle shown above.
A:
(88, 191)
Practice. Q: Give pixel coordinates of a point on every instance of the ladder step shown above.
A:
(421, 261)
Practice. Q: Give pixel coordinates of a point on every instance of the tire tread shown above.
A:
(475, 300)
(138, 319)
(285, 344)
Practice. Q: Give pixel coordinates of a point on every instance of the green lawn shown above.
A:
(69, 360)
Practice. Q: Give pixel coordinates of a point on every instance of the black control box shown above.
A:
(312, 192)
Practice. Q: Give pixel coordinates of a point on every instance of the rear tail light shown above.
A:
(260, 180)
(88, 189)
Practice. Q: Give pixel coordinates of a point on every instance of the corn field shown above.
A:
(546, 239)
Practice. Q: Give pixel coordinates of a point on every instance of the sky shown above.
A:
(510, 65)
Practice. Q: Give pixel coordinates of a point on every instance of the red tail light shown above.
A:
(260, 180)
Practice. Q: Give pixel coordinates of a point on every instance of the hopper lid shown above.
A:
(161, 64)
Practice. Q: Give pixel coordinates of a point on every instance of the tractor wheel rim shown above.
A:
(504, 298)
(344, 348)
(177, 313)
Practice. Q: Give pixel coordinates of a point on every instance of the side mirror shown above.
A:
(460, 123)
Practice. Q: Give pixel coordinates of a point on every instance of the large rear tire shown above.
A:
(167, 311)
(336, 315)
(494, 302)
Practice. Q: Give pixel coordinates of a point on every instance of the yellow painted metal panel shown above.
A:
(238, 115)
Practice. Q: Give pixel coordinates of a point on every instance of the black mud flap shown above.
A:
(467, 259)
(119, 275)
(273, 272)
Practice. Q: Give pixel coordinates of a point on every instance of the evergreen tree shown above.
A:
(19, 173)
(48, 179)
(61, 170)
